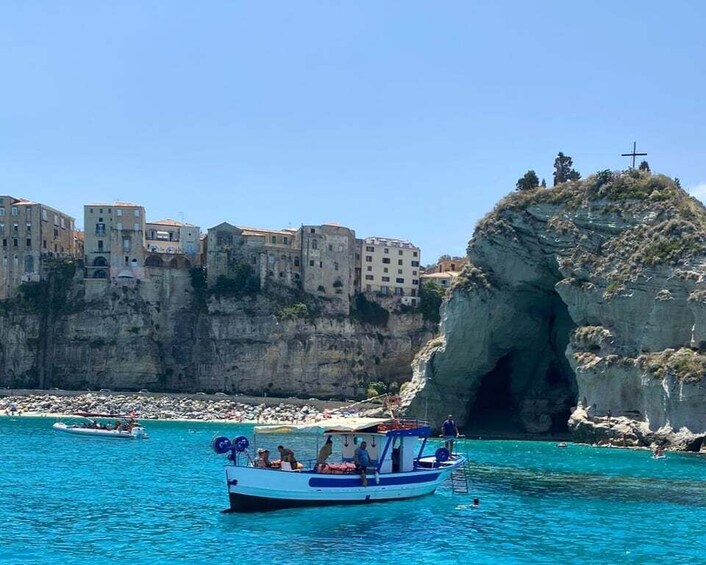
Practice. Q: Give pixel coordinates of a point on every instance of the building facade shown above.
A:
(31, 234)
(114, 242)
(390, 267)
(172, 244)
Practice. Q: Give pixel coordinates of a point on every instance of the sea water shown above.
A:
(69, 499)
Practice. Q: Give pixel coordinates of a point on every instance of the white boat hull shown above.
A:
(134, 433)
(253, 489)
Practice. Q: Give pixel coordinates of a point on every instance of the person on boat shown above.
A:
(263, 459)
(450, 432)
(361, 458)
(286, 455)
(324, 454)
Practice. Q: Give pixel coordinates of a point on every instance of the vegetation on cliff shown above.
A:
(612, 225)
(685, 364)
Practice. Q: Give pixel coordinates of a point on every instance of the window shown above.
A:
(335, 266)
(315, 244)
(399, 261)
(385, 290)
(15, 228)
(28, 212)
(415, 263)
(370, 268)
(4, 242)
(311, 263)
(136, 227)
(127, 242)
(399, 271)
(2, 228)
(100, 210)
(118, 212)
(385, 279)
(414, 293)
(399, 291)
(313, 230)
(2, 211)
(386, 260)
(44, 244)
(56, 233)
(321, 264)
(29, 228)
(370, 248)
(386, 270)
(63, 223)
(414, 300)
(399, 252)
(340, 248)
(399, 280)
(414, 273)
(14, 243)
(44, 214)
(15, 211)
(296, 261)
(330, 246)
(285, 240)
(273, 239)
(56, 220)
(415, 282)
(137, 213)
(100, 229)
(4, 260)
(368, 288)
(29, 264)
(387, 251)
(368, 259)
(369, 277)
(414, 254)
(100, 245)
(16, 260)
(28, 242)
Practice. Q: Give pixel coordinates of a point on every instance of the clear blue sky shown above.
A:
(403, 119)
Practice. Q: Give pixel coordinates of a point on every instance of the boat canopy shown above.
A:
(333, 425)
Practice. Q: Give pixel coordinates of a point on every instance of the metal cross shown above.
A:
(633, 154)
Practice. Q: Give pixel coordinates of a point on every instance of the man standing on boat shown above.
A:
(361, 458)
(450, 433)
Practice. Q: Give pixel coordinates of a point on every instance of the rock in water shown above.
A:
(583, 306)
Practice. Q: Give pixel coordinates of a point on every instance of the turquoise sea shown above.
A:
(67, 499)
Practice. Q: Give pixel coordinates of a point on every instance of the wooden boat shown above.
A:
(398, 468)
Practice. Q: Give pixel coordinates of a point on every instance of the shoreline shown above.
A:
(200, 407)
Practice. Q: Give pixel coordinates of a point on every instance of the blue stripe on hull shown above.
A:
(248, 503)
(337, 482)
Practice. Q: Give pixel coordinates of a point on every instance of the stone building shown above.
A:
(444, 279)
(172, 244)
(448, 265)
(31, 233)
(114, 242)
(390, 267)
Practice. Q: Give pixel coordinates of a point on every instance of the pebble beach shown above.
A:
(153, 406)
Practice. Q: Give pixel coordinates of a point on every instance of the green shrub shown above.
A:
(294, 312)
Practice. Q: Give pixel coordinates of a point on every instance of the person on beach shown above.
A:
(450, 433)
(361, 458)
(286, 455)
(324, 454)
(263, 459)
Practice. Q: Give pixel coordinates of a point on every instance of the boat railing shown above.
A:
(403, 424)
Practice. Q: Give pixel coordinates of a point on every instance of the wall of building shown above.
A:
(390, 267)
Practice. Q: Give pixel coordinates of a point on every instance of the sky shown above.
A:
(402, 119)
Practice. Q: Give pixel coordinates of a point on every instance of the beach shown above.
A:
(171, 406)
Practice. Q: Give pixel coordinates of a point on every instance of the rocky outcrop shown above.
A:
(162, 336)
(582, 307)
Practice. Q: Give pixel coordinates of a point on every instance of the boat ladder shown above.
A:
(459, 478)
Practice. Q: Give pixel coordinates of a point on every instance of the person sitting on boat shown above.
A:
(324, 454)
(450, 433)
(286, 455)
(361, 458)
(263, 459)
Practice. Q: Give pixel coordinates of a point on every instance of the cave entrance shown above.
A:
(531, 390)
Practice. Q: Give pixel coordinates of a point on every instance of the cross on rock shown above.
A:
(633, 154)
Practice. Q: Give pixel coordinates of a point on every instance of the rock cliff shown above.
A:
(583, 309)
(163, 336)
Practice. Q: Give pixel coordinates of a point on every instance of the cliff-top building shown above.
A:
(114, 241)
(390, 267)
(172, 244)
(31, 233)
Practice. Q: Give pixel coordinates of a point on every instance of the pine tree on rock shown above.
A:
(563, 169)
(528, 181)
(644, 166)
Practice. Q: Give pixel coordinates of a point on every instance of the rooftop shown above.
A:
(173, 223)
(388, 242)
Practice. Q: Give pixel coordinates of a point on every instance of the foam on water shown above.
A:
(67, 499)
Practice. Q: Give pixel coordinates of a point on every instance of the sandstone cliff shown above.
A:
(163, 336)
(583, 308)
